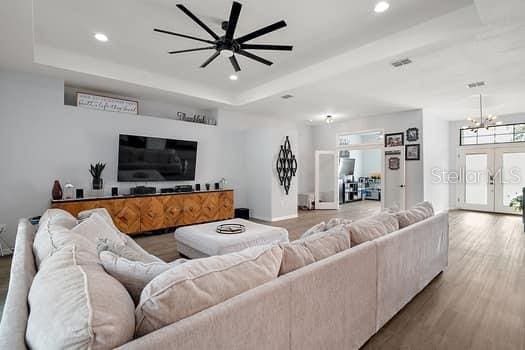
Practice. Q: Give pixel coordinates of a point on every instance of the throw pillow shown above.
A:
(53, 233)
(95, 228)
(313, 248)
(320, 227)
(77, 306)
(333, 222)
(103, 212)
(372, 227)
(205, 282)
(419, 212)
(126, 251)
(134, 275)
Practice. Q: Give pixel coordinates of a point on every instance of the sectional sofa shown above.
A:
(335, 303)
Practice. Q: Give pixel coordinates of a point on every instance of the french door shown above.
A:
(491, 178)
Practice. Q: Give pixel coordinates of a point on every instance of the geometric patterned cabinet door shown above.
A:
(173, 210)
(192, 209)
(125, 213)
(152, 212)
(210, 208)
(226, 207)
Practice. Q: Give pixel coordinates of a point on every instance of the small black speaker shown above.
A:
(197, 187)
(217, 186)
(80, 193)
(114, 191)
(207, 187)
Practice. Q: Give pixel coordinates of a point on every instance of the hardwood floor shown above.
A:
(477, 303)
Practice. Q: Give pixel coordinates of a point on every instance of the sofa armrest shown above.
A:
(16, 309)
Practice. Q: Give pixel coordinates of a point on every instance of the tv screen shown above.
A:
(142, 159)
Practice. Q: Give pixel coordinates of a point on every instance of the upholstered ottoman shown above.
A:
(199, 241)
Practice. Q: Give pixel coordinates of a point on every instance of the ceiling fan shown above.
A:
(226, 44)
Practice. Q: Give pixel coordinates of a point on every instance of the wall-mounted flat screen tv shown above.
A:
(143, 159)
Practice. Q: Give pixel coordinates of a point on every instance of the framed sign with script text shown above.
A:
(109, 104)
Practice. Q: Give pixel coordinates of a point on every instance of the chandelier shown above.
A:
(482, 122)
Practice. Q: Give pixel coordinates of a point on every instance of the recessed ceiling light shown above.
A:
(381, 7)
(233, 77)
(101, 37)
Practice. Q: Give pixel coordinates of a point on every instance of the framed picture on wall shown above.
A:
(394, 140)
(393, 163)
(412, 134)
(412, 152)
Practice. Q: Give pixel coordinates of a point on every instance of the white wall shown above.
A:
(267, 198)
(324, 138)
(306, 157)
(436, 147)
(371, 161)
(41, 140)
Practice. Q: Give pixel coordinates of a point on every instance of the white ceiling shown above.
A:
(340, 63)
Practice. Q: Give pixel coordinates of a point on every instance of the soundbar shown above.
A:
(184, 188)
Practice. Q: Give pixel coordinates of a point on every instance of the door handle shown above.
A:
(402, 186)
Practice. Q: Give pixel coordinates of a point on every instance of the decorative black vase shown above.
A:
(98, 183)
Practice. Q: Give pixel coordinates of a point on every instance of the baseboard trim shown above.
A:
(280, 218)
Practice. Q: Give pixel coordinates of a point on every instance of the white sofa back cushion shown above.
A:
(313, 248)
(372, 227)
(53, 220)
(417, 213)
(196, 285)
(77, 306)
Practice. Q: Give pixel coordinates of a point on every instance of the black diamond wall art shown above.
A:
(286, 165)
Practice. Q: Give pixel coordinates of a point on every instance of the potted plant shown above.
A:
(96, 171)
(517, 203)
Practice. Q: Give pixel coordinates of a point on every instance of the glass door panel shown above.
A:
(477, 179)
(510, 179)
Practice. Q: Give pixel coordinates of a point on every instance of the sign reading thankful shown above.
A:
(109, 104)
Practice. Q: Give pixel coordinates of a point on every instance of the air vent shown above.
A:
(402, 62)
(287, 96)
(476, 84)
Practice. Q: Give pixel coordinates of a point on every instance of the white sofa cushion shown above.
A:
(103, 212)
(320, 227)
(334, 222)
(95, 227)
(134, 275)
(198, 284)
(313, 248)
(52, 221)
(75, 304)
(372, 227)
(419, 212)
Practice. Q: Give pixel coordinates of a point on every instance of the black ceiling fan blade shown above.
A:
(234, 17)
(198, 21)
(267, 47)
(192, 50)
(254, 57)
(235, 64)
(209, 60)
(261, 32)
(183, 36)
